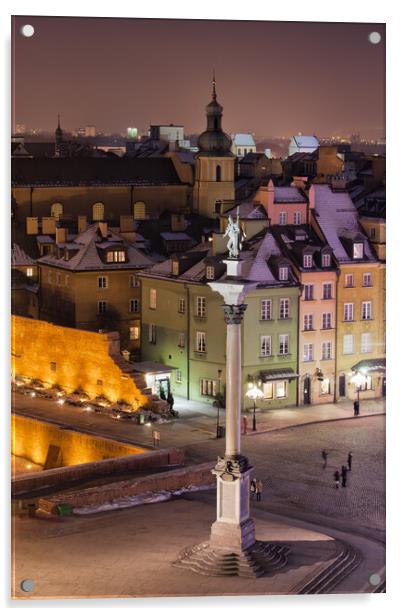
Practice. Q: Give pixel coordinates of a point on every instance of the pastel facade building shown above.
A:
(183, 324)
(360, 294)
(90, 282)
(302, 143)
(284, 205)
(242, 144)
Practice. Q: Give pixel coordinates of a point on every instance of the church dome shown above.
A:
(214, 141)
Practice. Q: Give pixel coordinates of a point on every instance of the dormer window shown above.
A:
(210, 272)
(175, 268)
(283, 273)
(116, 256)
(358, 250)
(325, 260)
(307, 261)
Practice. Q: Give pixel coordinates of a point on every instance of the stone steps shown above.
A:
(255, 562)
(325, 581)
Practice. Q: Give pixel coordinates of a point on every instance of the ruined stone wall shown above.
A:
(71, 358)
(31, 439)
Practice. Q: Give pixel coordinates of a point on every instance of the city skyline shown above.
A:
(75, 74)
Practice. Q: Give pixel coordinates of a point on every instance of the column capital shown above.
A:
(234, 313)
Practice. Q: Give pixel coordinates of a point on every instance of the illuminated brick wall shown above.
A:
(71, 358)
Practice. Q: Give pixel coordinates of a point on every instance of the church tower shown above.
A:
(58, 139)
(214, 189)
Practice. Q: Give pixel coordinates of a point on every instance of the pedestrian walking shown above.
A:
(350, 456)
(337, 477)
(324, 455)
(344, 473)
(244, 424)
(258, 489)
(356, 407)
(253, 488)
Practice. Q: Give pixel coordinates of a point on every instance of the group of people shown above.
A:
(343, 474)
(256, 489)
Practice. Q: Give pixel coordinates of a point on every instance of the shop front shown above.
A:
(278, 388)
(157, 377)
(368, 379)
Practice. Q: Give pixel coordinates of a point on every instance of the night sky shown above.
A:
(273, 78)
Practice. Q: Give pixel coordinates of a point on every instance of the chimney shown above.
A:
(299, 181)
(126, 224)
(48, 225)
(102, 226)
(82, 224)
(338, 183)
(61, 235)
(32, 225)
(311, 197)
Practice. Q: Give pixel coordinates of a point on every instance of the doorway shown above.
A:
(342, 385)
(307, 390)
(384, 387)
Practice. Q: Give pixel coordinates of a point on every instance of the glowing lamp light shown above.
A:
(88, 408)
(29, 466)
(59, 394)
(358, 379)
(118, 415)
(61, 401)
(33, 394)
(148, 423)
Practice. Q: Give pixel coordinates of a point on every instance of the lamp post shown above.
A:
(358, 379)
(254, 393)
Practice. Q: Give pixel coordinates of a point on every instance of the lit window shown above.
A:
(325, 260)
(152, 333)
(182, 305)
(134, 305)
(266, 310)
(358, 250)
(348, 310)
(98, 211)
(116, 256)
(308, 352)
(268, 390)
(297, 218)
(308, 322)
(152, 299)
(283, 273)
(181, 340)
(327, 290)
(326, 349)
(139, 210)
(265, 346)
(366, 343)
(210, 272)
(280, 389)
(102, 306)
(284, 308)
(283, 218)
(56, 210)
(326, 320)
(367, 280)
(201, 306)
(134, 332)
(284, 344)
(201, 342)
(102, 282)
(308, 292)
(208, 387)
(366, 311)
(348, 344)
(325, 387)
(307, 261)
(349, 280)
(29, 272)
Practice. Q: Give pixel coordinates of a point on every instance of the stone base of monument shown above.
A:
(232, 548)
(260, 559)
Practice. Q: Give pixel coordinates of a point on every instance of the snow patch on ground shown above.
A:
(139, 499)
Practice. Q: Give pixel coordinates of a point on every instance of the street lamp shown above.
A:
(358, 379)
(254, 394)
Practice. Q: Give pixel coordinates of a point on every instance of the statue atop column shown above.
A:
(236, 236)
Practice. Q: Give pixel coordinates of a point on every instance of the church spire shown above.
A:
(213, 86)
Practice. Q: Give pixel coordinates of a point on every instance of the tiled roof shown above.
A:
(306, 141)
(98, 171)
(243, 139)
(88, 258)
(289, 194)
(248, 210)
(19, 257)
(337, 217)
(171, 236)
